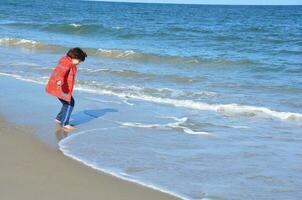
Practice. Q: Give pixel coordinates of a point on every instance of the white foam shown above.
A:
(127, 89)
(175, 125)
(18, 77)
(140, 125)
(189, 131)
(105, 50)
(117, 53)
(94, 70)
(126, 53)
(205, 93)
(102, 101)
(64, 148)
(17, 41)
(75, 25)
(240, 127)
(25, 41)
(26, 64)
(228, 109)
(117, 27)
(126, 101)
(125, 174)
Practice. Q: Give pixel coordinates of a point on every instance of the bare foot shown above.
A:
(69, 128)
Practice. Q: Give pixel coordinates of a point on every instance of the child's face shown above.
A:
(75, 61)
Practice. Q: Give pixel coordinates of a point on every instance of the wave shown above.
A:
(75, 25)
(191, 29)
(227, 109)
(15, 41)
(178, 125)
(135, 90)
(127, 73)
(227, 38)
(165, 59)
(291, 52)
(255, 29)
(67, 28)
(268, 69)
(30, 44)
(124, 176)
(23, 25)
(132, 55)
(42, 80)
(99, 29)
(26, 64)
(74, 28)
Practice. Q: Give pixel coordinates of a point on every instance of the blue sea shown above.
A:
(201, 101)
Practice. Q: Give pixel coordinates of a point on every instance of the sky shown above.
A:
(225, 2)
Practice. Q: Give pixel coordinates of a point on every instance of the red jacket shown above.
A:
(65, 71)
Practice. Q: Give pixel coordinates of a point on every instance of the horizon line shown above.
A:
(217, 4)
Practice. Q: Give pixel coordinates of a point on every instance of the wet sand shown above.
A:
(30, 169)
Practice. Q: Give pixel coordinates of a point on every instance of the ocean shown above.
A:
(203, 101)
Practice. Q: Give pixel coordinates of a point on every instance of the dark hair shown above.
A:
(77, 53)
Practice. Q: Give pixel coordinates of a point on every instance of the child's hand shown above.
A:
(59, 83)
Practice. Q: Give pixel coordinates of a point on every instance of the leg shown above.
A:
(59, 115)
(67, 114)
(63, 109)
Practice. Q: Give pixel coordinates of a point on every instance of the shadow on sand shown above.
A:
(81, 117)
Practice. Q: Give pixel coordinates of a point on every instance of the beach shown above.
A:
(199, 105)
(31, 170)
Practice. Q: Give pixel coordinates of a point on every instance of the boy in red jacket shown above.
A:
(61, 84)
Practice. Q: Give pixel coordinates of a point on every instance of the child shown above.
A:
(61, 84)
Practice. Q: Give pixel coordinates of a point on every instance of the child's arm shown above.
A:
(61, 72)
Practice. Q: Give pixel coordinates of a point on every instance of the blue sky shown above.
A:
(232, 2)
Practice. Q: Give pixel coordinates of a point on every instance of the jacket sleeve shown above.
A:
(61, 72)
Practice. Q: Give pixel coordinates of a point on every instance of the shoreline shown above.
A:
(151, 186)
(35, 170)
(44, 130)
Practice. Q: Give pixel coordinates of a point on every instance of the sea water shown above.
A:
(202, 101)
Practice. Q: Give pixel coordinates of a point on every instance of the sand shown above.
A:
(31, 170)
